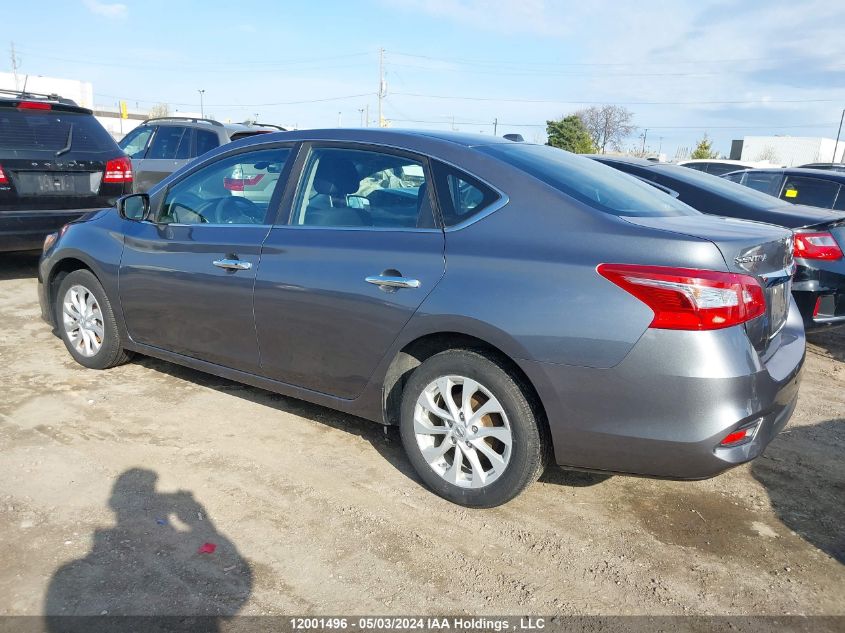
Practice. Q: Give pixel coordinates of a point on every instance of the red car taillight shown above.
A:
(118, 170)
(4, 179)
(34, 105)
(238, 184)
(690, 299)
(820, 245)
(742, 435)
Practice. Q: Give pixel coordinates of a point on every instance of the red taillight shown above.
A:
(34, 105)
(819, 245)
(118, 170)
(690, 299)
(4, 179)
(742, 435)
(238, 184)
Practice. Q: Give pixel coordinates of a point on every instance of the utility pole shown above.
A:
(836, 145)
(15, 63)
(382, 88)
(645, 136)
(495, 125)
(202, 108)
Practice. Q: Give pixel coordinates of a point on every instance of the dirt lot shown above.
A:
(111, 481)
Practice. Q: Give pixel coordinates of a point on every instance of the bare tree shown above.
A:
(768, 153)
(607, 125)
(159, 110)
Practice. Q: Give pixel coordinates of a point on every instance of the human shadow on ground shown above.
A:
(156, 560)
(803, 473)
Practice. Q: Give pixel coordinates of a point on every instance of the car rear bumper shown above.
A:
(25, 230)
(820, 295)
(666, 407)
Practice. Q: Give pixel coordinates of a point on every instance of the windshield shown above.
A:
(50, 131)
(592, 183)
(719, 186)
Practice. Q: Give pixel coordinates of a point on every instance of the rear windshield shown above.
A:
(717, 185)
(592, 183)
(50, 130)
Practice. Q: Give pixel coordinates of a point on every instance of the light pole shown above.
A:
(645, 136)
(202, 109)
(836, 145)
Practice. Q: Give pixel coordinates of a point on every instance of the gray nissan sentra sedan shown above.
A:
(506, 304)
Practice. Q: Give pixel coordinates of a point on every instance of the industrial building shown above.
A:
(788, 151)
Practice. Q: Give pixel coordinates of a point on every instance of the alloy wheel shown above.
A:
(463, 431)
(83, 320)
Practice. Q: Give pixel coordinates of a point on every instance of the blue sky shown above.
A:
(683, 68)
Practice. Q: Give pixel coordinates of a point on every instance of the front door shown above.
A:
(186, 280)
(337, 284)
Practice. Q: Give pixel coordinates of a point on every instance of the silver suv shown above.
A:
(160, 146)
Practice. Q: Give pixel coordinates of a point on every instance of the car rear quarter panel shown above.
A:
(524, 279)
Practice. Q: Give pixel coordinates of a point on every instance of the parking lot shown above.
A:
(113, 480)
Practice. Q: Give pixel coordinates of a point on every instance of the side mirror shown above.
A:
(134, 207)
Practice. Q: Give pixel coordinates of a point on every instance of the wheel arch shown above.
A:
(415, 352)
(61, 269)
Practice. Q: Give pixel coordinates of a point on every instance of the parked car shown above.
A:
(719, 166)
(504, 303)
(56, 163)
(160, 146)
(819, 283)
(812, 187)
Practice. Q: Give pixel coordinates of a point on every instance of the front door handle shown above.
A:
(386, 281)
(232, 264)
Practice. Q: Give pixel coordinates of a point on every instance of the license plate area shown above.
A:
(778, 305)
(83, 183)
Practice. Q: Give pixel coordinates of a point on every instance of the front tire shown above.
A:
(86, 322)
(469, 429)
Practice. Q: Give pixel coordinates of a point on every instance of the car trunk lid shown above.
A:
(752, 248)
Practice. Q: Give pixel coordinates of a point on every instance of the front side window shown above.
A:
(810, 191)
(167, 141)
(134, 144)
(362, 188)
(233, 190)
(763, 182)
(590, 182)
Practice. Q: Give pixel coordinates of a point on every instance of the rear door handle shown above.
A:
(232, 264)
(387, 281)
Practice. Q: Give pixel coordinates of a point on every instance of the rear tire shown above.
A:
(499, 450)
(86, 323)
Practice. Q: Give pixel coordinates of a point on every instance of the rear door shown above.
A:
(169, 149)
(186, 280)
(353, 262)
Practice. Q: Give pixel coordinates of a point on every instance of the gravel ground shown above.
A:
(112, 482)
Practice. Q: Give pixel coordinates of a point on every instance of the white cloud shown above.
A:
(114, 10)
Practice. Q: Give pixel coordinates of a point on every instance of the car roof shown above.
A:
(231, 128)
(629, 160)
(58, 104)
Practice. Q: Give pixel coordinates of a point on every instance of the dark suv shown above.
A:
(56, 163)
(160, 146)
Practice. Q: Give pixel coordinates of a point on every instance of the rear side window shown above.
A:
(206, 141)
(735, 177)
(461, 196)
(169, 142)
(810, 191)
(50, 131)
(588, 181)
